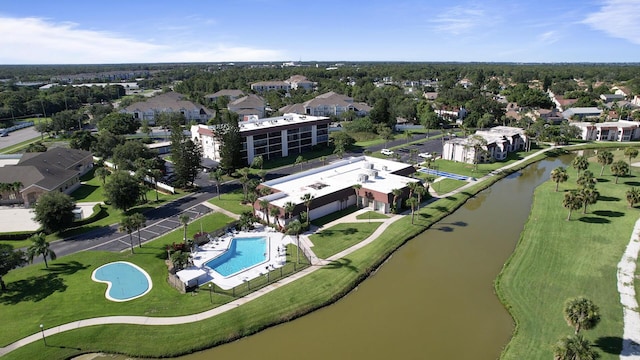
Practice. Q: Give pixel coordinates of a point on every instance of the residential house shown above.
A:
(170, 102)
(551, 116)
(327, 104)
(248, 107)
(622, 90)
(621, 130)
(269, 137)
(300, 82)
(581, 113)
(498, 143)
(263, 86)
(560, 102)
(228, 93)
(611, 97)
(58, 169)
(331, 187)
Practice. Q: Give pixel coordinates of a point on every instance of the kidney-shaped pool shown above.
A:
(125, 281)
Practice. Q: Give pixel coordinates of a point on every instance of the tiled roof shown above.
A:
(250, 101)
(225, 92)
(171, 101)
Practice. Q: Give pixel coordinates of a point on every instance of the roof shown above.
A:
(171, 101)
(250, 101)
(338, 176)
(264, 123)
(55, 157)
(270, 83)
(225, 92)
(298, 79)
(582, 111)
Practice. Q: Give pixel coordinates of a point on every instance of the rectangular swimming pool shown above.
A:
(242, 254)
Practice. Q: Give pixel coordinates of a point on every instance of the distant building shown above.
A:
(248, 107)
(332, 187)
(228, 93)
(269, 137)
(58, 169)
(581, 112)
(327, 104)
(300, 82)
(263, 86)
(170, 102)
(611, 97)
(500, 141)
(621, 130)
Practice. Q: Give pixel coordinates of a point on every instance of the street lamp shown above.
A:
(210, 293)
(42, 331)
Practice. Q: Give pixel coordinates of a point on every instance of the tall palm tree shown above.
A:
(581, 313)
(587, 180)
(357, 188)
(571, 201)
(294, 228)
(574, 347)
(216, 176)
(139, 221)
(155, 175)
(184, 220)
(244, 180)
(604, 158)
(288, 208)
(252, 197)
(631, 153)
(128, 225)
(633, 196)
(420, 192)
(396, 194)
(619, 168)
(264, 207)
(16, 187)
(275, 213)
(589, 196)
(40, 246)
(307, 199)
(413, 203)
(580, 163)
(559, 175)
(102, 173)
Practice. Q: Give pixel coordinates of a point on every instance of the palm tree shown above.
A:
(40, 246)
(184, 220)
(357, 188)
(288, 208)
(396, 194)
(559, 175)
(16, 187)
(216, 176)
(571, 201)
(102, 173)
(299, 161)
(581, 314)
(574, 347)
(252, 198)
(139, 221)
(413, 203)
(589, 196)
(633, 196)
(408, 135)
(294, 228)
(306, 199)
(619, 168)
(587, 180)
(155, 175)
(631, 153)
(420, 192)
(128, 225)
(275, 212)
(264, 207)
(580, 163)
(257, 162)
(604, 158)
(244, 180)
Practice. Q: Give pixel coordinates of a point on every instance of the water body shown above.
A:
(434, 299)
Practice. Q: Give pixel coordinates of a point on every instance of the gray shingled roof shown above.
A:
(171, 101)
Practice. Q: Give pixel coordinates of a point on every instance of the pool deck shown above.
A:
(276, 257)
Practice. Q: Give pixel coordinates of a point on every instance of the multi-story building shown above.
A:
(170, 102)
(263, 86)
(327, 104)
(269, 137)
(621, 130)
(496, 144)
(248, 107)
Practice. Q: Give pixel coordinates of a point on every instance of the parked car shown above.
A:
(425, 155)
(386, 152)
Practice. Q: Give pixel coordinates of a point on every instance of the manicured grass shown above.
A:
(331, 241)
(446, 185)
(292, 300)
(333, 216)
(232, 202)
(371, 215)
(558, 259)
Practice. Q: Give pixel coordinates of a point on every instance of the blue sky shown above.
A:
(142, 31)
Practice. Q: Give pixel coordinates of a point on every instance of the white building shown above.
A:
(621, 130)
(271, 138)
(497, 143)
(170, 102)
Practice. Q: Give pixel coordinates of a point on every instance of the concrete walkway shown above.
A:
(316, 265)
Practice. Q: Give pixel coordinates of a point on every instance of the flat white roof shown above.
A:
(337, 176)
(285, 119)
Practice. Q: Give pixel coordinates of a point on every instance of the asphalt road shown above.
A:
(18, 136)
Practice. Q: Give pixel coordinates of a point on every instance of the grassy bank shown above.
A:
(558, 259)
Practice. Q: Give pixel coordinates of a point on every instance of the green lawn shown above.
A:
(232, 202)
(333, 216)
(446, 185)
(371, 215)
(558, 259)
(331, 241)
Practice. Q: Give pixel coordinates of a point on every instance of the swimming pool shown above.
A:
(243, 253)
(125, 281)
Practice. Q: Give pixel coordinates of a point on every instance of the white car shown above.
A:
(425, 155)
(386, 152)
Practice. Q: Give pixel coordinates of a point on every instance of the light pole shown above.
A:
(210, 293)
(43, 338)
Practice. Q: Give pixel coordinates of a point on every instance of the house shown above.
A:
(269, 137)
(327, 104)
(170, 102)
(581, 113)
(621, 130)
(263, 86)
(498, 143)
(622, 90)
(228, 93)
(58, 169)
(560, 102)
(300, 82)
(248, 107)
(331, 187)
(611, 97)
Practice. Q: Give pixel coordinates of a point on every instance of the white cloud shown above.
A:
(548, 37)
(617, 18)
(38, 41)
(458, 20)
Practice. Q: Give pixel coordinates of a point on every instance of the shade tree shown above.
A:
(10, 259)
(54, 211)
